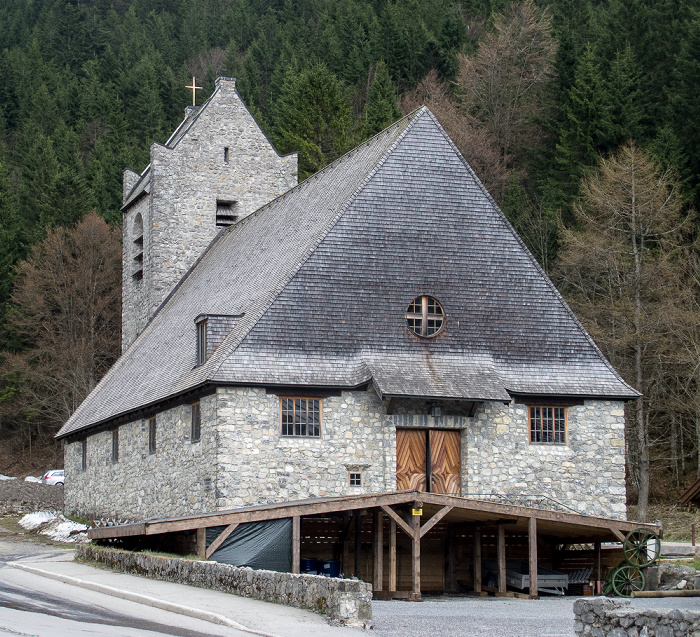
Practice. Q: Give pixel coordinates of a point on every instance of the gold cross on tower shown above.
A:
(194, 87)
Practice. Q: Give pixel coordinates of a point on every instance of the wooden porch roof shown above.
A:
(568, 526)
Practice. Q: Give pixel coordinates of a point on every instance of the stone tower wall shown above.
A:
(223, 156)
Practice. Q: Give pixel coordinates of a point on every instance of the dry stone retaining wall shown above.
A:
(344, 601)
(604, 617)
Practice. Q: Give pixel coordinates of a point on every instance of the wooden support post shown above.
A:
(296, 544)
(597, 578)
(451, 559)
(392, 555)
(532, 536)
(477, 559)
(358, 546)
(501, 549)
(415, 562)
(378, 527)
(202, 543)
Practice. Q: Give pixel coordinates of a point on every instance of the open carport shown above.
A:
(405, 542)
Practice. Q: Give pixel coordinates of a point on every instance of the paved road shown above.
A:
(35, 606)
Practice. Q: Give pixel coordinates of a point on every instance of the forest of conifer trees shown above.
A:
(554, 103)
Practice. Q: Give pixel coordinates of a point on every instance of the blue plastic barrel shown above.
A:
(331, 568)
(309, 565)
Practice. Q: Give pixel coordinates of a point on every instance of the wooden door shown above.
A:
(410, 459)
(445, 464)
(428, 460)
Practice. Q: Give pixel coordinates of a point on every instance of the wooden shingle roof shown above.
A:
(323, 276)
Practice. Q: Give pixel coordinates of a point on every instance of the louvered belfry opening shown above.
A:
(226, 213)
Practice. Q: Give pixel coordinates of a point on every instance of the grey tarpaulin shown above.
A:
(260, 545)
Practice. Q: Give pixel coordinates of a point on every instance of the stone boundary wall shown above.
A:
(614, 617)
(348, 602)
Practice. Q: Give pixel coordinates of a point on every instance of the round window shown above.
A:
(425, 316)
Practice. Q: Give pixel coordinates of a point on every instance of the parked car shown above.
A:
(54, 476)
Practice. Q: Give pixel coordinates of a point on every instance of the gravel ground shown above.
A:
(18, 496)
(475, 617)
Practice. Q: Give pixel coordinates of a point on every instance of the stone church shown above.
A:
(378, 327)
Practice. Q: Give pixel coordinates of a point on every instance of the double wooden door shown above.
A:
(428, 460)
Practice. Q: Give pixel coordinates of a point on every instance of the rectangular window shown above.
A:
(201, 342)
(83, 452)
(301, 417)
(152, 435)
(548, 425)
(355, 479)
(115, 445)
(196, 422)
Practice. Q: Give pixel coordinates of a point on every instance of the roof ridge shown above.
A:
(519, 239)
(410, 120)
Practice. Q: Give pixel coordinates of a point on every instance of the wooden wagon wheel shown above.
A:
(626, 579)
(642, 547)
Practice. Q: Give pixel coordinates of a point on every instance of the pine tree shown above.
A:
(381, 110)
(313, 118)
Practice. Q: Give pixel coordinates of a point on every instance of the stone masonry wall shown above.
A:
(185, 183)
(134, 292)
(348, 602)
(176, 480)
(243, 460)
(257, 465)
(600, 617)
(586, 474)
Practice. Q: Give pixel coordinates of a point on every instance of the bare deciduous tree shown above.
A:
(474, 141)
(504, 82)
(65, 321)
(615, 269)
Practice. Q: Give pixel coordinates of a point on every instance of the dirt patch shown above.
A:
(18, 496)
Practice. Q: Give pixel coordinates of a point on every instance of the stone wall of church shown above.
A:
(257, 465)
(224, 157)
(189, 179)
(177, 479)
(587, 474)
(242, 458)
(134, 290)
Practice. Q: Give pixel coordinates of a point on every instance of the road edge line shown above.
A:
(195, 613)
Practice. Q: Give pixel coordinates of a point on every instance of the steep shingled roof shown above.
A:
(324, 274)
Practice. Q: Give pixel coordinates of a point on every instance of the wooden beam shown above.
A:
(397, 518)
(619, 535)
(392, 554)
(435, 519)
(123, 530)
(220, 539)
(501, 550)
(358, 547)
(277, 511)
(451, 559)
(202, 543)
(378, 527)
(296, 544)
(532, 537)
(349, 503)
(415, 557)
(476, 551)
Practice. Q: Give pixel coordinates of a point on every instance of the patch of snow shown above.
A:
(2, 477)
(57, 527)
(61, 530)
(32, 479)
(34, 520)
